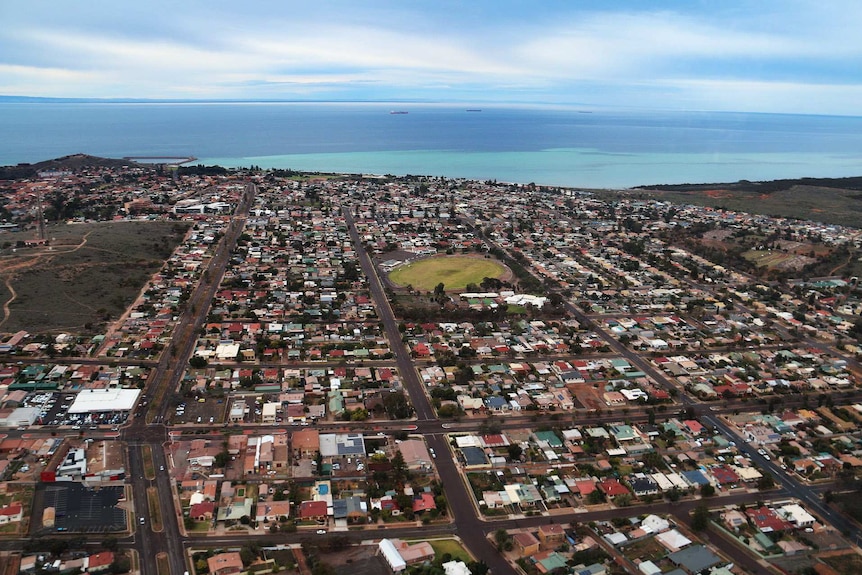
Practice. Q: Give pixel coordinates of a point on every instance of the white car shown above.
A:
(321, 531)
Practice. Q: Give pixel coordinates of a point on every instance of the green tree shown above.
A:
(766, 482)
(515, 451)
(700, 518)
(595, 497)
(396, 405)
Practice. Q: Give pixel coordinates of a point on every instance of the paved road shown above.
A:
(468, 524)
(460, 499)
(809, 495)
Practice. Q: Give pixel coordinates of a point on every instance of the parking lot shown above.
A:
(82, 510)
(199, 411)
(54, 411)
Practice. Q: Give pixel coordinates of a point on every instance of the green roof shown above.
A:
(550, 437)
(553, 561)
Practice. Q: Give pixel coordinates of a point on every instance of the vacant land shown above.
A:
(846, 564)
(837, 201)
(455, 273)
(86, 276)
(773, 259)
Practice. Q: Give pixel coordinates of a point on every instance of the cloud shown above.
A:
(545, 52)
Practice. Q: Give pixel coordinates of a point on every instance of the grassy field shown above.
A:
(89, 274)
(452, 547)
(453, 272)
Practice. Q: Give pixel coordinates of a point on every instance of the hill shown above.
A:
(828, 200)
(72, 162)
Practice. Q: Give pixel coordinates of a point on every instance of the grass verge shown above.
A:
(162, 564)
(149, 466)
(155, 509)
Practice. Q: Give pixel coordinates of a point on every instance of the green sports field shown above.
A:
(454, 272)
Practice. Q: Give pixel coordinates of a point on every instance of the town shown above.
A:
(401, 374)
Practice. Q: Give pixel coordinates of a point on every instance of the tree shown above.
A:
(198, 362)
(400, 473)
(121, 564)
(109, 543)
(247, 555)
(501, 537)
(396, 405)
(700, 518)
(595, 497)
(515, 451)
(707, 490)
(765, 482)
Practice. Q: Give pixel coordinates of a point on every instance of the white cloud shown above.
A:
(384, 49)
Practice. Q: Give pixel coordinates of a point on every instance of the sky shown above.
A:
(785, 56)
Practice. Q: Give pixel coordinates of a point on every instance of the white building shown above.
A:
(456, 568)
(795, 514)
(110, 400)
(391, 555)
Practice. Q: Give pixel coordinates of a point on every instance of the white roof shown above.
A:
(456, 568)
(227, 350)
(392, 556)
(467, 441)
(655, 523)
(673, 539)
(98, 400)
(615, 538)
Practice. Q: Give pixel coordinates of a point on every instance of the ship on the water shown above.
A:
(398, 112)
(474, 109)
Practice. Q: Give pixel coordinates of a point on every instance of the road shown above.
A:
(468, 523)
(164, 380)
(460, 499)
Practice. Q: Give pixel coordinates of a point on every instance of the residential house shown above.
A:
(551, 535)
(225, 563)
(526, 543)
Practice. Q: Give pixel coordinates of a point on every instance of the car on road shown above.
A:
(142, 520)
(321, 531)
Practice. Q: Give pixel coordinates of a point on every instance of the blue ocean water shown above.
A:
(545, 146)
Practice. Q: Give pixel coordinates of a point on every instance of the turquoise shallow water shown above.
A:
(569, 167)
(543, 146)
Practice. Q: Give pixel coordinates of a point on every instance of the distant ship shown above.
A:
(474, 109)
(398, 112)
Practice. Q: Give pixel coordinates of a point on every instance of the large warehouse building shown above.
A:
(112, 400)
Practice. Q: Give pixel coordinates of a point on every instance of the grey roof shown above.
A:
(694, 558)
(339, 508)
(474, 456)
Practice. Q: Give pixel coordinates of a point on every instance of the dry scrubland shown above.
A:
(89, 273)
(453, 272)
(830, 204)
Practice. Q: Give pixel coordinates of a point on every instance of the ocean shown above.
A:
(545, 146)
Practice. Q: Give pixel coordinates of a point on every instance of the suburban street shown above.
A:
(149, 432)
